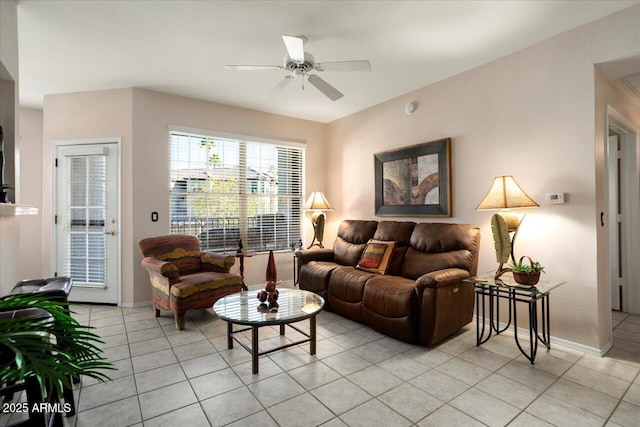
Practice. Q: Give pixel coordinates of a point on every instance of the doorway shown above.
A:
(86, 228)
(623, 183)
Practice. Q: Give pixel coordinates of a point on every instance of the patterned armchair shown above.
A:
(184, 278)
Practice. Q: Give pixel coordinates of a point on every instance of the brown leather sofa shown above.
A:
(420, 299)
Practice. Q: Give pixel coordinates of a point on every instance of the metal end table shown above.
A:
(488, 289)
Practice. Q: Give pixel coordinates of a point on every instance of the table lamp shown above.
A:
(317, 203)
(505, 194)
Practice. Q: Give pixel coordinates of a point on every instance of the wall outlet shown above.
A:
(554, 198)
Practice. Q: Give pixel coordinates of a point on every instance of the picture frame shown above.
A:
(415, 180)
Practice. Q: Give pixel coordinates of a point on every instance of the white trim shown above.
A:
(237, 137)
(623, 125)
(137, 304)
(554, 340)
(630, 136)
(54, 208)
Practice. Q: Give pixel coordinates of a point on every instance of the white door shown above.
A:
(617, 233)
(86, 223)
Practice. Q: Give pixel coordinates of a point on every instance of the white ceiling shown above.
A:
(181, 47)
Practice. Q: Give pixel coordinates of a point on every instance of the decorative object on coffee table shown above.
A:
(414, 180)
(270, 293)
(505, 194)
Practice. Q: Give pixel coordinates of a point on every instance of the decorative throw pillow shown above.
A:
(376, 256)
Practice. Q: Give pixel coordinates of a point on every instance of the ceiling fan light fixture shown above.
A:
(299, 63)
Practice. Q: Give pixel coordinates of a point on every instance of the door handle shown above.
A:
(602, 219)
(112, 232)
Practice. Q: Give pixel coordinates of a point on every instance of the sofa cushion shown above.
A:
(400, 232)
(376, 256)
(437, 246)
(314, 276)
(352, 238)
(346, 286)
(389, 305)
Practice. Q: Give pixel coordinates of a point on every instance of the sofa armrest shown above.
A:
(439, 278)
(161, 268)
(306, 255)
(217, 262)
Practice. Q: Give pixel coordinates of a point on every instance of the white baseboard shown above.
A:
(560, 341)
(135, 304)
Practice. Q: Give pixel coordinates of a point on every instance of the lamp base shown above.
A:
(318, 244)
(505, 226)
(317, 220)
(500, 271)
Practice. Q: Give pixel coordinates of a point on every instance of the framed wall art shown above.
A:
(414, 180)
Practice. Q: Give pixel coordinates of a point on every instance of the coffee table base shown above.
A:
(254, 349)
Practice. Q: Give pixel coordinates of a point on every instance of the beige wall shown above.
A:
(31, 183)
(153, 112)
(88, 115)
(141, 118)
(530, 115)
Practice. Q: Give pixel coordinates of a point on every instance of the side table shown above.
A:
(492, 291)
(241, 256)
(296, 269)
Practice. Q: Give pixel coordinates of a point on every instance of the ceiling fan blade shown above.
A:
(280, 87)
(253, 67)
(362, 65)
(329, 91)
(295, 47)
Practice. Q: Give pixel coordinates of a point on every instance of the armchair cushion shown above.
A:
(181, 250)
(216, 262)
(163, 268)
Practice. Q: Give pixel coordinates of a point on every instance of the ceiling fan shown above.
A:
(299, 63)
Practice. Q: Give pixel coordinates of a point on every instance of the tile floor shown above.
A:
(358, 377)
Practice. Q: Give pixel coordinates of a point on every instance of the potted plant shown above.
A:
(526, 274)
(68, 349)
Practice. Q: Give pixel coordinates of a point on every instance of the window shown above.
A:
(223, 190)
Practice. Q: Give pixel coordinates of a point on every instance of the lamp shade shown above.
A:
(505, 193)
(317, 202)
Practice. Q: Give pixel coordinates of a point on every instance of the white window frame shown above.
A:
(242, 229)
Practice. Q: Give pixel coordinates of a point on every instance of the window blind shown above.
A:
(84, 252)
(225, 190)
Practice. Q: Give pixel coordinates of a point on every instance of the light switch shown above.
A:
(554, 198)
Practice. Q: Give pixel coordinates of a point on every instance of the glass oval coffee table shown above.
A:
(245, 309)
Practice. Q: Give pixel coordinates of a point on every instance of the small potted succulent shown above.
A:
(526, 274)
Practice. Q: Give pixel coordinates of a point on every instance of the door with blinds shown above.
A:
(86, 222)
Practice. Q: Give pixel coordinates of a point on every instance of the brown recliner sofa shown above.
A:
(422, 297)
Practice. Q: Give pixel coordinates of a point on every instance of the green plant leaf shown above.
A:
(53, 349)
